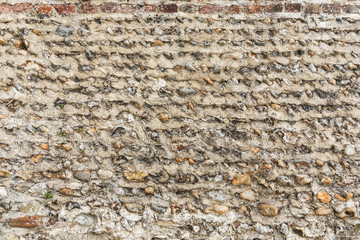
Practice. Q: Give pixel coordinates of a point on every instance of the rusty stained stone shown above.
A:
(242, 179)
(26, 222)
(268, 210)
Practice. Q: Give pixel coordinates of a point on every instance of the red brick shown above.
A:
(331, 7)
(168, 8)
(5, 8)
(312, 8)
(22, 7)
(89, 8)
(293, 7)
(351, 9)
(274, 8)
(25, 222)
(234, 9)
(45, 9)
(109, 7)
(255, 8)
(65, 9)
(210, 9)
(149, 8)
(128, 8)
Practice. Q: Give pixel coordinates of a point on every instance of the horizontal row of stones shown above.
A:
(111, 7)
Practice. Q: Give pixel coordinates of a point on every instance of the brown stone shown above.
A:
(268, 210)
(281, 163)
(323, 211)
(36, 158)
(217, 209)
(244, 209)
(4, 174)
(323, 197)
(67, 191)
(181, 159)
(326, 67)
(347, 213)
(347, 197)
(326, 181)
(149, 190)
(319, 163)
(208, 81)
(135, 176)
(163, 223)
(157, 43)
(163, 117)
(352, 66)
(2, 116)
(25, 222)
(275, 106)
(67, 146)
(44, 146)
(242, 179)
(57, 175)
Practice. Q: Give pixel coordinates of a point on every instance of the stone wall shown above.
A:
(179, 119)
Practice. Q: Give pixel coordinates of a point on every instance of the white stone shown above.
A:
(350, 150)
(3, 192)
(86, 220)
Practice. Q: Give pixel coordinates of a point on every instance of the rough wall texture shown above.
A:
(179, 120)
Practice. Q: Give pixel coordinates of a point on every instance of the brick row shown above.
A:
(112, 7)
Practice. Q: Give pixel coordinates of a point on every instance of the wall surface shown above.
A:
(179, 119)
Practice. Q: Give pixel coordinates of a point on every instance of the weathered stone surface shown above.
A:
(180, 119)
